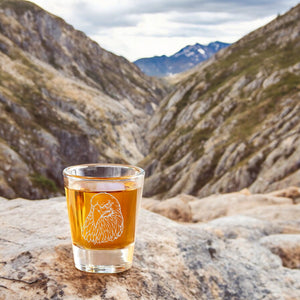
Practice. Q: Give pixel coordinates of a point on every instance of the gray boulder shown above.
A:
(226, 258)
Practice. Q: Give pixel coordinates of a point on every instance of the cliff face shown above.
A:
(64, 100)
(234, 121)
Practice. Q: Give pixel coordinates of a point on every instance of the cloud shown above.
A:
(253, 8)
(203, 18)
(136, 28)
(162, 17)
(129, 13)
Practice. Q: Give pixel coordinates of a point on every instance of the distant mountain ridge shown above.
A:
(181, 61)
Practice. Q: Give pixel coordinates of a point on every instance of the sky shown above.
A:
(145, 28)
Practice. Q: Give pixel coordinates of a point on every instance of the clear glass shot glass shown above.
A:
(103, 202)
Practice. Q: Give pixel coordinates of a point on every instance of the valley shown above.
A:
(231, 122)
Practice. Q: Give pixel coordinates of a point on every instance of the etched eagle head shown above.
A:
(105, 221)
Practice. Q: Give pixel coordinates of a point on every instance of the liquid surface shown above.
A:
(102, 220)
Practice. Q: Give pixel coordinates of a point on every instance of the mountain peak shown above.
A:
(183, 60)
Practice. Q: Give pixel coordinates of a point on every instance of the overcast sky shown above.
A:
(144, 28)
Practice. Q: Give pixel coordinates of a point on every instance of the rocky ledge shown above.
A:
(237, 246)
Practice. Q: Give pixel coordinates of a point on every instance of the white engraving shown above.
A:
(104, 222)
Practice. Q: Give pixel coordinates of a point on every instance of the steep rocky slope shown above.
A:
(234, 121)
(64, 100)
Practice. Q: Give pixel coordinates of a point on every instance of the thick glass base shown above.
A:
(103, 261)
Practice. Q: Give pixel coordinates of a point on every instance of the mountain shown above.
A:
(233, 121)
(64, 100)
(181, 61)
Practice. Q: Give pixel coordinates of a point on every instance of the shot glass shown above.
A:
(103, 202)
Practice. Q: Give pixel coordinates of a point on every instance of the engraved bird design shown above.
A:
(104, 222)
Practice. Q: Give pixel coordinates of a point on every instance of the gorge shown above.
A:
(231, 122)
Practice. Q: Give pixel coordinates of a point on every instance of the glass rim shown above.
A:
(139, 172)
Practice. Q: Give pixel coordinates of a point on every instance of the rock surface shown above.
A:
(216, 206)
(187, 208)
(234, 257)
(175, 208)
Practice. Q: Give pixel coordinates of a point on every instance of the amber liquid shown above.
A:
(102, 220)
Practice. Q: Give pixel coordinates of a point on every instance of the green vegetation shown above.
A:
(43, 182)
(288, 84)
(200, 136)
